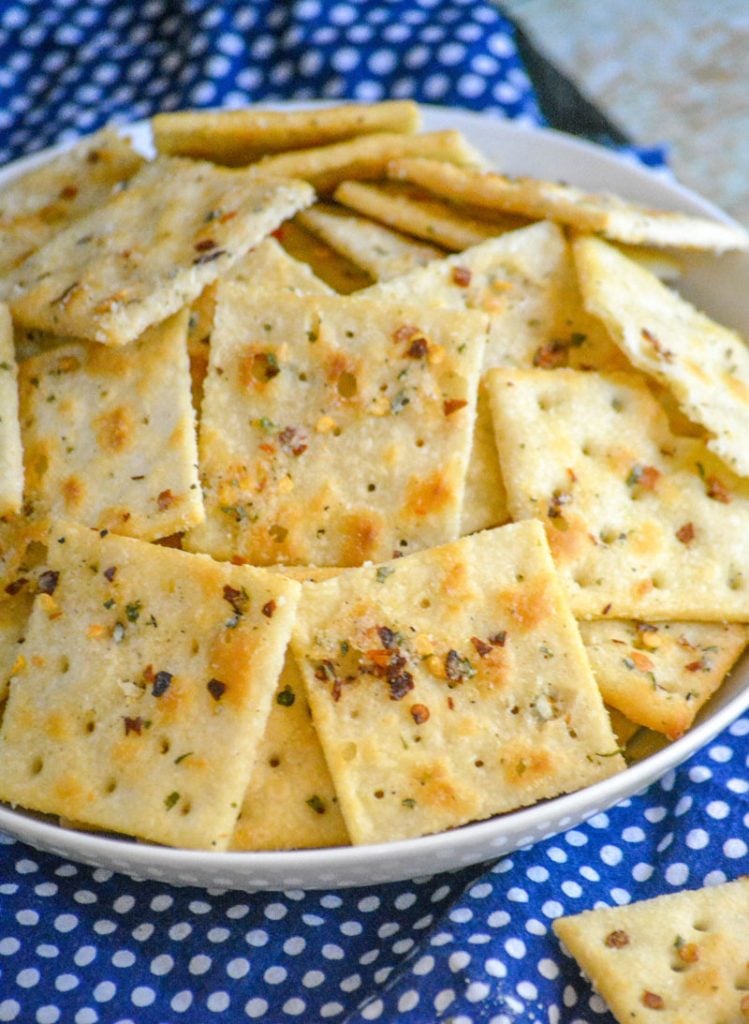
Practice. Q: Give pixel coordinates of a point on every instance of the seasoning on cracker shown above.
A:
(148, 250)
(109, 434)
(674, 959)
(450, 685)
(11, 456)
(147, 681)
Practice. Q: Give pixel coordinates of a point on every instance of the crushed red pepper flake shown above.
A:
(616, 939)
(269, 608)
(110, 572)
(685, 533)
(13, 588)
(216, 688)
(419, 713)
(451, 405)
(294, 440)
(458, 668)
(689, 953)
(236, 598)
(606, 609)
(551, 355)
(418, 348)
(498, 639)
(205, 245)
(406, 332)
(717, 490)
(68, 192)
(165, 500)
(652, 1001)
(659, 348)
(461, 276)
(161, 683)
(645, 477)
(559, 499)
(482, 648)
(388, 638)
(133, 725)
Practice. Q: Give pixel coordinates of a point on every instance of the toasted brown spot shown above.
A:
(114, 429)
(361, 533)
(428, 495)
(529, 605)
(616, 939)
(419, 713)
(73, 492)
(652, 1001)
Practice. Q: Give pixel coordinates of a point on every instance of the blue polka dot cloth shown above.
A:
(80, 945)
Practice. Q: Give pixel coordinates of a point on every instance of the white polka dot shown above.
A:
(351, 928)
(517, 895)
(633, 834)
(515, 948)
(330, 1010)
(527, 990)
(47, 950)
(641, 872)
(620, 896)
(556, 854)
(66, 922)
(444, 999)
(256, 1008)
(66, 982)
(142, 996)
(182, 1001)
(28, 977)
(123, 958)
(697, 839)
(312, 979)
(104, 991)
(699, 773)
(718, 809)
(495, 968)
(476, 991)
(369, 903)
(47, 1015)
(548, 969)
(535, 927)
(408, 1001)
(9, 1009)
(461, 915)
(735, 848)
(161, 902)
(332, 952)
(161, 965)
(238, 968)
(714, 878)
(217, 1002)
(655, 814)
(27, 917)
(552, 909)
(738, 785)
(373, 1010)
(740, 728)
(86, 1016)
(405, 900)
(9, 946)
(571, 888)
(720, 753)
(537, 873)
(257, 937)
(665, 842)
(123, 904)
(458, 961)
(199, 964)
(275, 975)
(590, 873)
(610, 855)
(677, 874)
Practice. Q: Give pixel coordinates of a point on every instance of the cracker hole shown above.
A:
(36, 765)
(353, 713)
(587, 449)
(111, 786)
(347, 386)
(618, 403)
(608, 536)
(736, 581)
(420, 442)
(64, 664)
(701, 926)
(185, 808)
(425, 603)
(379, 794)
(274, 761)
(349, 752)
(659, 582)
(90, 726)
(678, 968)
(278, 533)
(195, 647)
(371, 487)
(544, 403)
(478, 763)
(165, 745)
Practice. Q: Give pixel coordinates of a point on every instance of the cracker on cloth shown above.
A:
(417, 213)
(325, 167)
(378, 250)
(334, 430)
(237, 137)
(11, 455)
(337, 272)
(642, 524)
(37, 204)
(146, 687)
(450, 685)
(149, 250)
(660, 674)
(676, 959)
(109, 434)
(600, 213)
(704, 364)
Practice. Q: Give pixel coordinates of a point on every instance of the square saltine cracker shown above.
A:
(147, 681)
(334, 431)
(451, 685)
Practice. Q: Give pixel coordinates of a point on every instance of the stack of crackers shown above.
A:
(350, 491)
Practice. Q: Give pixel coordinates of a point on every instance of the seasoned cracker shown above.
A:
(334, 430)
(329, 266)
(417, 213)
(268, 265)
(680, 958)
(382, 253)
(109, 434)
(11, 456)
(149, 250)
(601, 213)
(642, 524)
(621, 726)
(704, 364)
(36, 205)
(290, 802)
(660, 674)
(237, 137)
(525, 282)
(146, 688)
(325, 167)
(450, 685)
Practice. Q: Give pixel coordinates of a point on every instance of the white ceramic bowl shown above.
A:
(719, 286)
